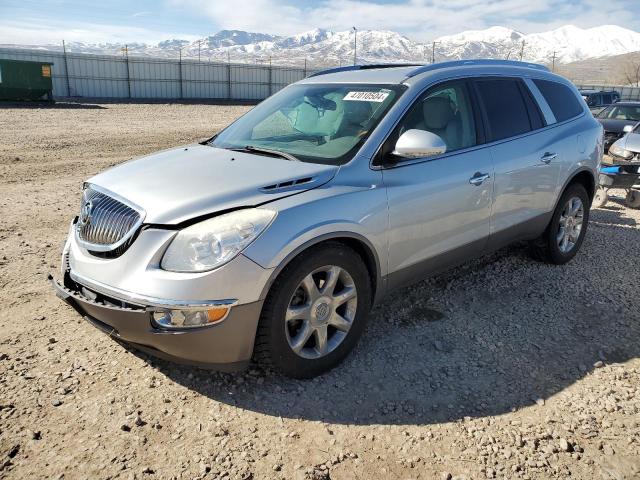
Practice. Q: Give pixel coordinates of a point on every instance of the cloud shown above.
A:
(418, 19)
(33, 32)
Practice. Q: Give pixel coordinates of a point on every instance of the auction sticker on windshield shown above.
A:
(366, 96)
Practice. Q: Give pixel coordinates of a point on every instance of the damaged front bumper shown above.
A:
(226, 345)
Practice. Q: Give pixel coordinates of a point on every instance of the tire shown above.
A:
(550, 248)
(600, 198)
(633, 199)
(292, 295)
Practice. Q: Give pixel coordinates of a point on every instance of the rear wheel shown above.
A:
(600, 198)
(633, 199)
(564, 234)
(315, 312)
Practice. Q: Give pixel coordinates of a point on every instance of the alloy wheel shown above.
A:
(321, 312)
(570, 224)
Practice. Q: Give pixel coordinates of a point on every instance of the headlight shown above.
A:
(214, 242)
(619, 151)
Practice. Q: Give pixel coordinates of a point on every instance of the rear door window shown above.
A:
(561, 99)
(504, 106)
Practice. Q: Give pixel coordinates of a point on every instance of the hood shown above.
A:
(631, 142)
(614, 125)
(186, 182)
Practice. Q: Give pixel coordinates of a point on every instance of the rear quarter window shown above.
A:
(562, 101)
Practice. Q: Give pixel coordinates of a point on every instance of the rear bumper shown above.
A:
(227, 346)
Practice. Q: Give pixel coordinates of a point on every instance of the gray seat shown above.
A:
(439, 117)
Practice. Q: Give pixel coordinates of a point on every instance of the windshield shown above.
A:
(621, 112)
(311, 122)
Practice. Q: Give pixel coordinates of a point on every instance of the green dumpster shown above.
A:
(23, 80)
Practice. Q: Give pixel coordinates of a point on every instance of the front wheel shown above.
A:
(565, 233)
(315, 312)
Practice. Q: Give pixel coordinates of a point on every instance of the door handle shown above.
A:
(478, 178)
(547, 157)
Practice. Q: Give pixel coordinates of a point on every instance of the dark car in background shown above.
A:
(598, 99)
(615, 117)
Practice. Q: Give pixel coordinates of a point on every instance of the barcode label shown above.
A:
(366, 96)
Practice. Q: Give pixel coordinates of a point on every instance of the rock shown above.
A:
(540, 402)
(565, 446)
(599, 364)
(446, 476)
(125, 428)
(56, 402)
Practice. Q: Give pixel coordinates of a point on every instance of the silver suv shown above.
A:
(272, 240)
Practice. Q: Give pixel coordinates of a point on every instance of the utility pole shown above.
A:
(522, 50)
(433, 52)
(66, 68)
(125, 51)
(553, 62)
(355, 44)
(305, 67)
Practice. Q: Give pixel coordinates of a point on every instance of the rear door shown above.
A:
(439, 207)
(525, 155)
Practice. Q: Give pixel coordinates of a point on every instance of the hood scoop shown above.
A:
(286, 185)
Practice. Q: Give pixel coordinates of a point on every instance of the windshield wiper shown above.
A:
(268, 151)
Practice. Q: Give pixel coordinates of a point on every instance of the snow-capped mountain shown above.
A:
(325, 47)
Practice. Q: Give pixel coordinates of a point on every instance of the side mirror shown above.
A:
(627, 128)
(419, 144)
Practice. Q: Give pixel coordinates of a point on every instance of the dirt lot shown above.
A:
(503, 368)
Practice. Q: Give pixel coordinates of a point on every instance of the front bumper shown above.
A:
(225, 346)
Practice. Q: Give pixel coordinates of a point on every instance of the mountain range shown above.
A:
(322, 47)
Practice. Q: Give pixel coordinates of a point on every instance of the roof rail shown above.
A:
(364, 67)
(459, 63)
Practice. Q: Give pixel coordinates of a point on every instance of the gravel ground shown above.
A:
(503, 368)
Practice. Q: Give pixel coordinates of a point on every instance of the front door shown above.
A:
(439, 207)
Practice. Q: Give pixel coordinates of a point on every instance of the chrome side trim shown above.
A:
(152, 303)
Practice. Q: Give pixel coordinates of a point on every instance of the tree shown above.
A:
(632, 72)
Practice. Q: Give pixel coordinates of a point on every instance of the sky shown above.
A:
(127, 21)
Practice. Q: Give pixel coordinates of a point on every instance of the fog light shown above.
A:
(189, 318)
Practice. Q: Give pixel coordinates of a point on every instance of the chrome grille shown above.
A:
(106, 223)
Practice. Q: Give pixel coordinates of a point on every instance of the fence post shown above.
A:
(180, 72)
(126, 49)
(66, 68)
(305, 68)
(270, 78)
(228, 76)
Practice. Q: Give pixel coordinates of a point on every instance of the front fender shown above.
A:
(357, 212)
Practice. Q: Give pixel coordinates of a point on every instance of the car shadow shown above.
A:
(495, 335)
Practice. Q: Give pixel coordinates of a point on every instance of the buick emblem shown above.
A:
(85, 212)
